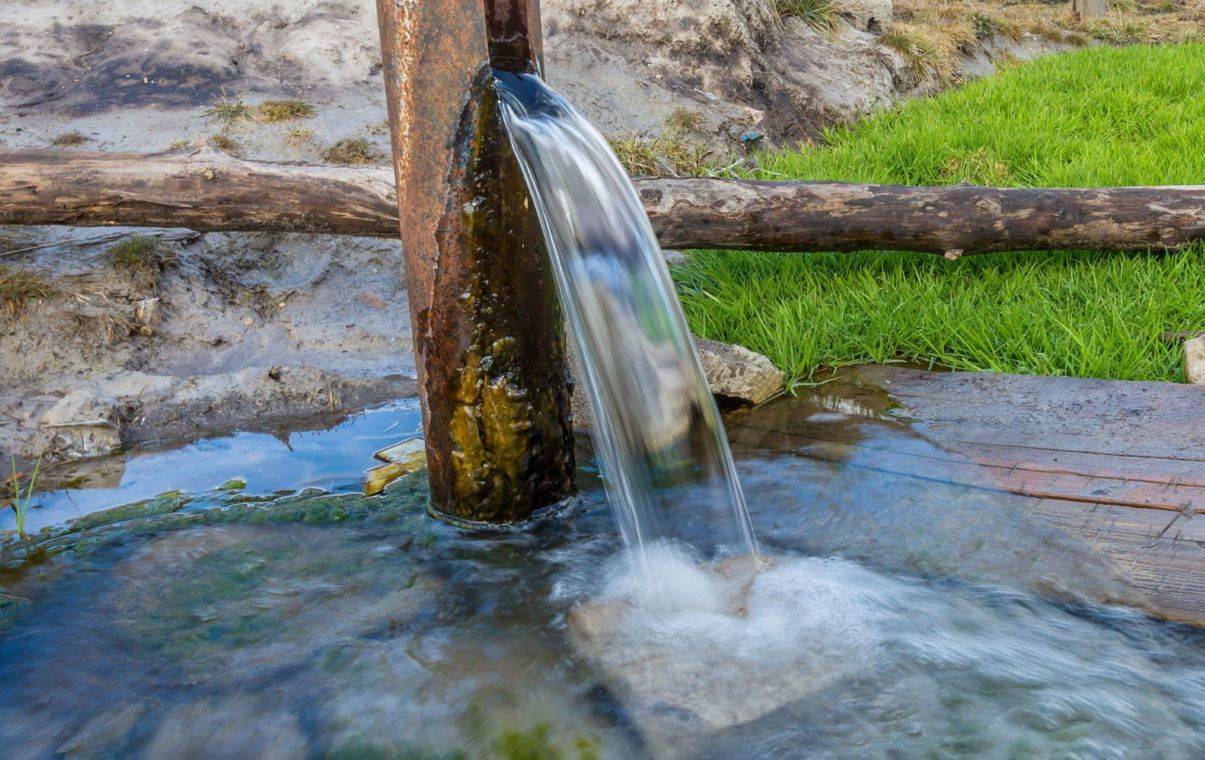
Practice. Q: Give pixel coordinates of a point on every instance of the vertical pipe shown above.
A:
(487, 326)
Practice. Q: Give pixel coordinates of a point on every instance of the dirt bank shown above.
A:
(196, 333)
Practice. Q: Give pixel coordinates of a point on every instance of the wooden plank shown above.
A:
(965, 468)
(1127, 420)
(1116, 466)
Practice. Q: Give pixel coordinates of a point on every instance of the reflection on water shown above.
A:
(333, 460)
(894, 618)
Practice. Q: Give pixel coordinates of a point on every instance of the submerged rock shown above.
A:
(712, 648)
(400, 459)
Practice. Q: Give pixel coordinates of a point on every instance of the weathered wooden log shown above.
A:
(209, 191)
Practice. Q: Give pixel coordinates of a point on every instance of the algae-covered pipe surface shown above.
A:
(487, 327)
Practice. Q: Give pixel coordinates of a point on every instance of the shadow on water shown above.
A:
(894, 617)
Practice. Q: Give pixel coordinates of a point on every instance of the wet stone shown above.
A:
(680, 687)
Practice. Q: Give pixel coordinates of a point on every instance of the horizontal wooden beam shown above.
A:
(210, 191)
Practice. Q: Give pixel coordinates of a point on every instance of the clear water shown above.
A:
(333, 460)
(658, 433)
(894, 618)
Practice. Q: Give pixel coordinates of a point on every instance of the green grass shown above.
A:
(20, 504)
(141, 258)
(228, 111)
(821, 15)
(1096, 117)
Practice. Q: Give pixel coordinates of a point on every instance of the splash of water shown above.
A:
(659, 437)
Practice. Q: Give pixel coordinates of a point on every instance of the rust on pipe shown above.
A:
(487, 325)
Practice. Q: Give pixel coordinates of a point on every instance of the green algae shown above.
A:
(164, 503)
(405, 501)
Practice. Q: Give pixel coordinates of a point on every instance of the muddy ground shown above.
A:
(212, 332)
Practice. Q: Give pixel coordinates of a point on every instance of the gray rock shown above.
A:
(735, 372)
(148, 313)
(82, 424)
(1194, 360)
(867, 15)
(682, 681)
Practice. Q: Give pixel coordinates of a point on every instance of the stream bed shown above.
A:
(892, 618)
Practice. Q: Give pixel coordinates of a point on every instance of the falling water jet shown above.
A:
(665, 457)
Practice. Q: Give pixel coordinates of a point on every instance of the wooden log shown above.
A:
(209, 191)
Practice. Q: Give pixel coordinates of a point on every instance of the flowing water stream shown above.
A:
(892, 617)
(658, 432)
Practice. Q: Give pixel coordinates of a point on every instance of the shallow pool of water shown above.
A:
(334, 459)
(894, 618)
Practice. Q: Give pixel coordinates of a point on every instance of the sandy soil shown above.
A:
(248, 330)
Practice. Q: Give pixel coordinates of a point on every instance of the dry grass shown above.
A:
(223, 143)
(299, 136)
(684, 121)
(930, 35)
(18, 289)
(351, 151)
(666, 155)
(274, 111)
(926, 50)
(69, 140)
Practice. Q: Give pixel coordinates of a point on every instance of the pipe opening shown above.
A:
(515, 36)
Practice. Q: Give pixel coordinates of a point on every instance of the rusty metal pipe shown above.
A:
(487, 326)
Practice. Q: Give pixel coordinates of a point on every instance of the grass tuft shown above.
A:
(684, 121)
(820, 15)
(351, 151)
(1096, 117)
(274, 111)
(142, 258)
(18, 289)
(224, 143)
(666, 155)
(228, 111)
(928, 51)
(299, 136)
(20, 504)
(69, 140)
